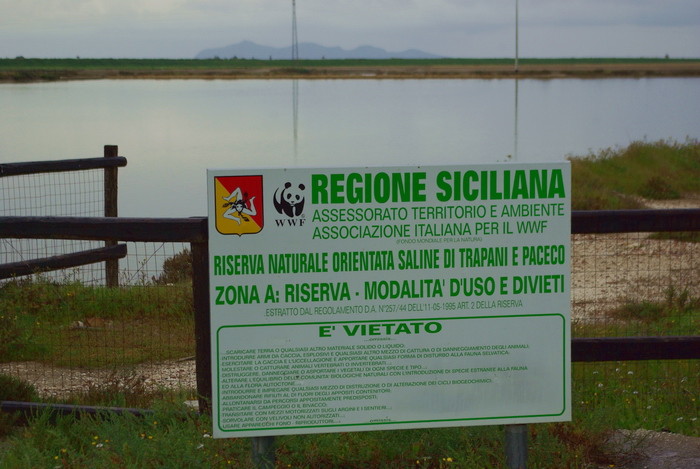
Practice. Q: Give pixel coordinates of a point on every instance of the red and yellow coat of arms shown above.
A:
(239, 204)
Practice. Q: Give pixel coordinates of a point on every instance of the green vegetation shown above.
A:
(176, 269)
(22, 69)
(677, 314)
(71, 324)
(14, 389)
(617, 178)
(676, 304)
(21, 63)
(607, 397)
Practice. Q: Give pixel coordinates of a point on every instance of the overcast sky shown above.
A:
(452, 28)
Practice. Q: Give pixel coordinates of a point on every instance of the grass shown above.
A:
(22, 69)
(170, 437)
(677, 314)
(21, 63)
(676, 304)
(617, 178)
(685, 236)
(606, 397)
(70, 324)
(119, 344)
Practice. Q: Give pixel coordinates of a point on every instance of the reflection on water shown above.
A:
(172, 130)
(515, 125)
(295, 112)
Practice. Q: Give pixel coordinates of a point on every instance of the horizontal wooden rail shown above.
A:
(195, 229)
(604, 349)
(634, 221)
(106, 228)
(55, 166)
(66, 261)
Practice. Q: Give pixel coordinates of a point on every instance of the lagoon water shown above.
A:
(171, 131)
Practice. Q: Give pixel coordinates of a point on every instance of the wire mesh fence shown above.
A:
(635, 284)
(67, 333)
(67, 336)
(638, 285)
(659, 395)
(70, 335)
(61, 194)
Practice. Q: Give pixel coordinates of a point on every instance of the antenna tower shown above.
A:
(295, 42)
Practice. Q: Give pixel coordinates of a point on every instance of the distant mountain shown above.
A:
(308, 50)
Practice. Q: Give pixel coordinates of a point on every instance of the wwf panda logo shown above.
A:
(289, 200)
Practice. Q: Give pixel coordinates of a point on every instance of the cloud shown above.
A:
(605, 13)
(351, 14)
(180, 28)
(53, 14)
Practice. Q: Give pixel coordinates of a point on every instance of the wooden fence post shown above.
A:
(111, 210)
(202, 323)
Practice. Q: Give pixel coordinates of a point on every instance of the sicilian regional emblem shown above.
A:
(239, 205)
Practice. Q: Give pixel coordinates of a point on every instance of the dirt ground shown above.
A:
(581, 70)
(541, 71)
(658, 450)
(610, 268)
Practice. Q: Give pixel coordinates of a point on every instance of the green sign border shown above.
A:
(564, 363)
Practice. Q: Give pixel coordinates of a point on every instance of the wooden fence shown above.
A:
(112, 252)
(194, 232)
(111, 230)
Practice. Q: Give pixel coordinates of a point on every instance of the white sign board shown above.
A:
(350, 299)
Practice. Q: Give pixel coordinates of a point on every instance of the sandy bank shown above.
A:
(533, 71)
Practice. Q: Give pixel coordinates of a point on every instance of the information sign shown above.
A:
(350, 299)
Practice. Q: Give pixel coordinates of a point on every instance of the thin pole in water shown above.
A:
(515, 136)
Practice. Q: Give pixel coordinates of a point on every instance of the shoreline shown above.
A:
(586, 70)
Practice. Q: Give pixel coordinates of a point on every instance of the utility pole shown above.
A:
(295, 42)
(516, 36)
